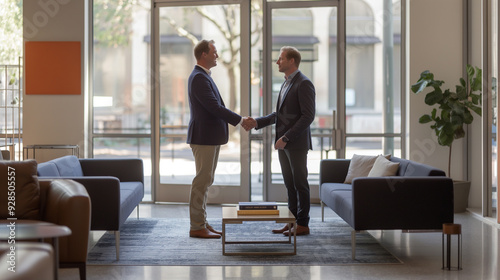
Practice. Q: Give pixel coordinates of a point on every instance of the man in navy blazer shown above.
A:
(295, 111)
(207, 130)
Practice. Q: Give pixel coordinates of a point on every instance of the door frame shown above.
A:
(222, 193)
(277, 192)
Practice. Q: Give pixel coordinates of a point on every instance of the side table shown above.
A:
(450, 229)
(30, 230)
(26, 149)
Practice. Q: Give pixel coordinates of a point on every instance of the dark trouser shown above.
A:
(294, 169)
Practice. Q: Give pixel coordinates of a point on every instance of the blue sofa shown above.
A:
(115, 187)
(419, 197)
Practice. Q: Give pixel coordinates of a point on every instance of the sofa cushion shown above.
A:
(48, 169)
(337, 186)
(19, 184)
(131, 194)
(360, 166)
(68, 166)
(412, 168)
(383, 167)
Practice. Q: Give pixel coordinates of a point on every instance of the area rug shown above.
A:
(167, 242)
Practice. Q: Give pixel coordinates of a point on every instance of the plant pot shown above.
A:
(461, 195)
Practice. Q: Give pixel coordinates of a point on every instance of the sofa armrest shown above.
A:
(104, 192)
(126, 170)
(67, 203)
(396, 202)
(333, 170)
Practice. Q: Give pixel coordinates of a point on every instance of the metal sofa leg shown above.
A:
(322, 211)
(137, 211)
(353, 244)
(117, 244)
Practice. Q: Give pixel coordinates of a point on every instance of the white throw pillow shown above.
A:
(383, 167)
(360, 166)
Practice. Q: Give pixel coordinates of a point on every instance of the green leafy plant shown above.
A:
(453, 109)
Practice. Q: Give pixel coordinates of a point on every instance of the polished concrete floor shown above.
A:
(420, 253)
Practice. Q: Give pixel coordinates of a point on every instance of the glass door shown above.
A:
(374, 91)
(349, 47)
(311, 27)
(353, 52)
(177, 29)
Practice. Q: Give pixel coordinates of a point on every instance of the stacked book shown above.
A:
(258, 208)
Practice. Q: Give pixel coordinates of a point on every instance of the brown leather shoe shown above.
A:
(203, 233)
(281, 230)
(300, 230)
(210, 228)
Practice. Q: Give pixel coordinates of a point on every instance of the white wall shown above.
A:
(54, 119)
(436, 35)
(435, 45)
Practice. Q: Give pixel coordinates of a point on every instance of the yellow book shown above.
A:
(259, 212)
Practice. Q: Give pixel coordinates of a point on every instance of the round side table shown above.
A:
(33, 230)
(449, 230)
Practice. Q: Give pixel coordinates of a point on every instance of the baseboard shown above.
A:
(477, 213)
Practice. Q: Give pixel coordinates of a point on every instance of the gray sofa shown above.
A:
(115, 187)
(419, 197)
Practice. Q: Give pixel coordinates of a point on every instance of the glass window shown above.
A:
(180, 29)
(307, 30)
(373, 71)
(121, 96)
(11, 49)
(370, 146)
(373, 67)
(121, 90)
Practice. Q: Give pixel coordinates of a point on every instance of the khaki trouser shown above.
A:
(205, 158)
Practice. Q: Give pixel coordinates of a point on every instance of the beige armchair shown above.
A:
(33, 261)
(61, 202)
(66, 202)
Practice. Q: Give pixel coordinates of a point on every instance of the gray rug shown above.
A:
(167, 242)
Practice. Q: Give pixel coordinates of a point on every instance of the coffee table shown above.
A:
(32, 229)
(230, 216)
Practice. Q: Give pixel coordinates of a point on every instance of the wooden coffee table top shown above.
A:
(230, 215)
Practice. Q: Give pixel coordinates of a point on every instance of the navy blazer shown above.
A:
(295, 115)
(209, 116)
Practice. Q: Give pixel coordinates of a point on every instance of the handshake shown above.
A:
(248, 123)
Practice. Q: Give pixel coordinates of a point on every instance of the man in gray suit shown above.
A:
(207, 131)
(294, 114)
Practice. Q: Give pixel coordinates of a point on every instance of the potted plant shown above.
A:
(452, 110)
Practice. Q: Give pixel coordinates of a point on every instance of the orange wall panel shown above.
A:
(53, 67)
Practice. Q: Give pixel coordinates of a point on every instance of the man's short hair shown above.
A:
(292, 52)
(203, 46)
